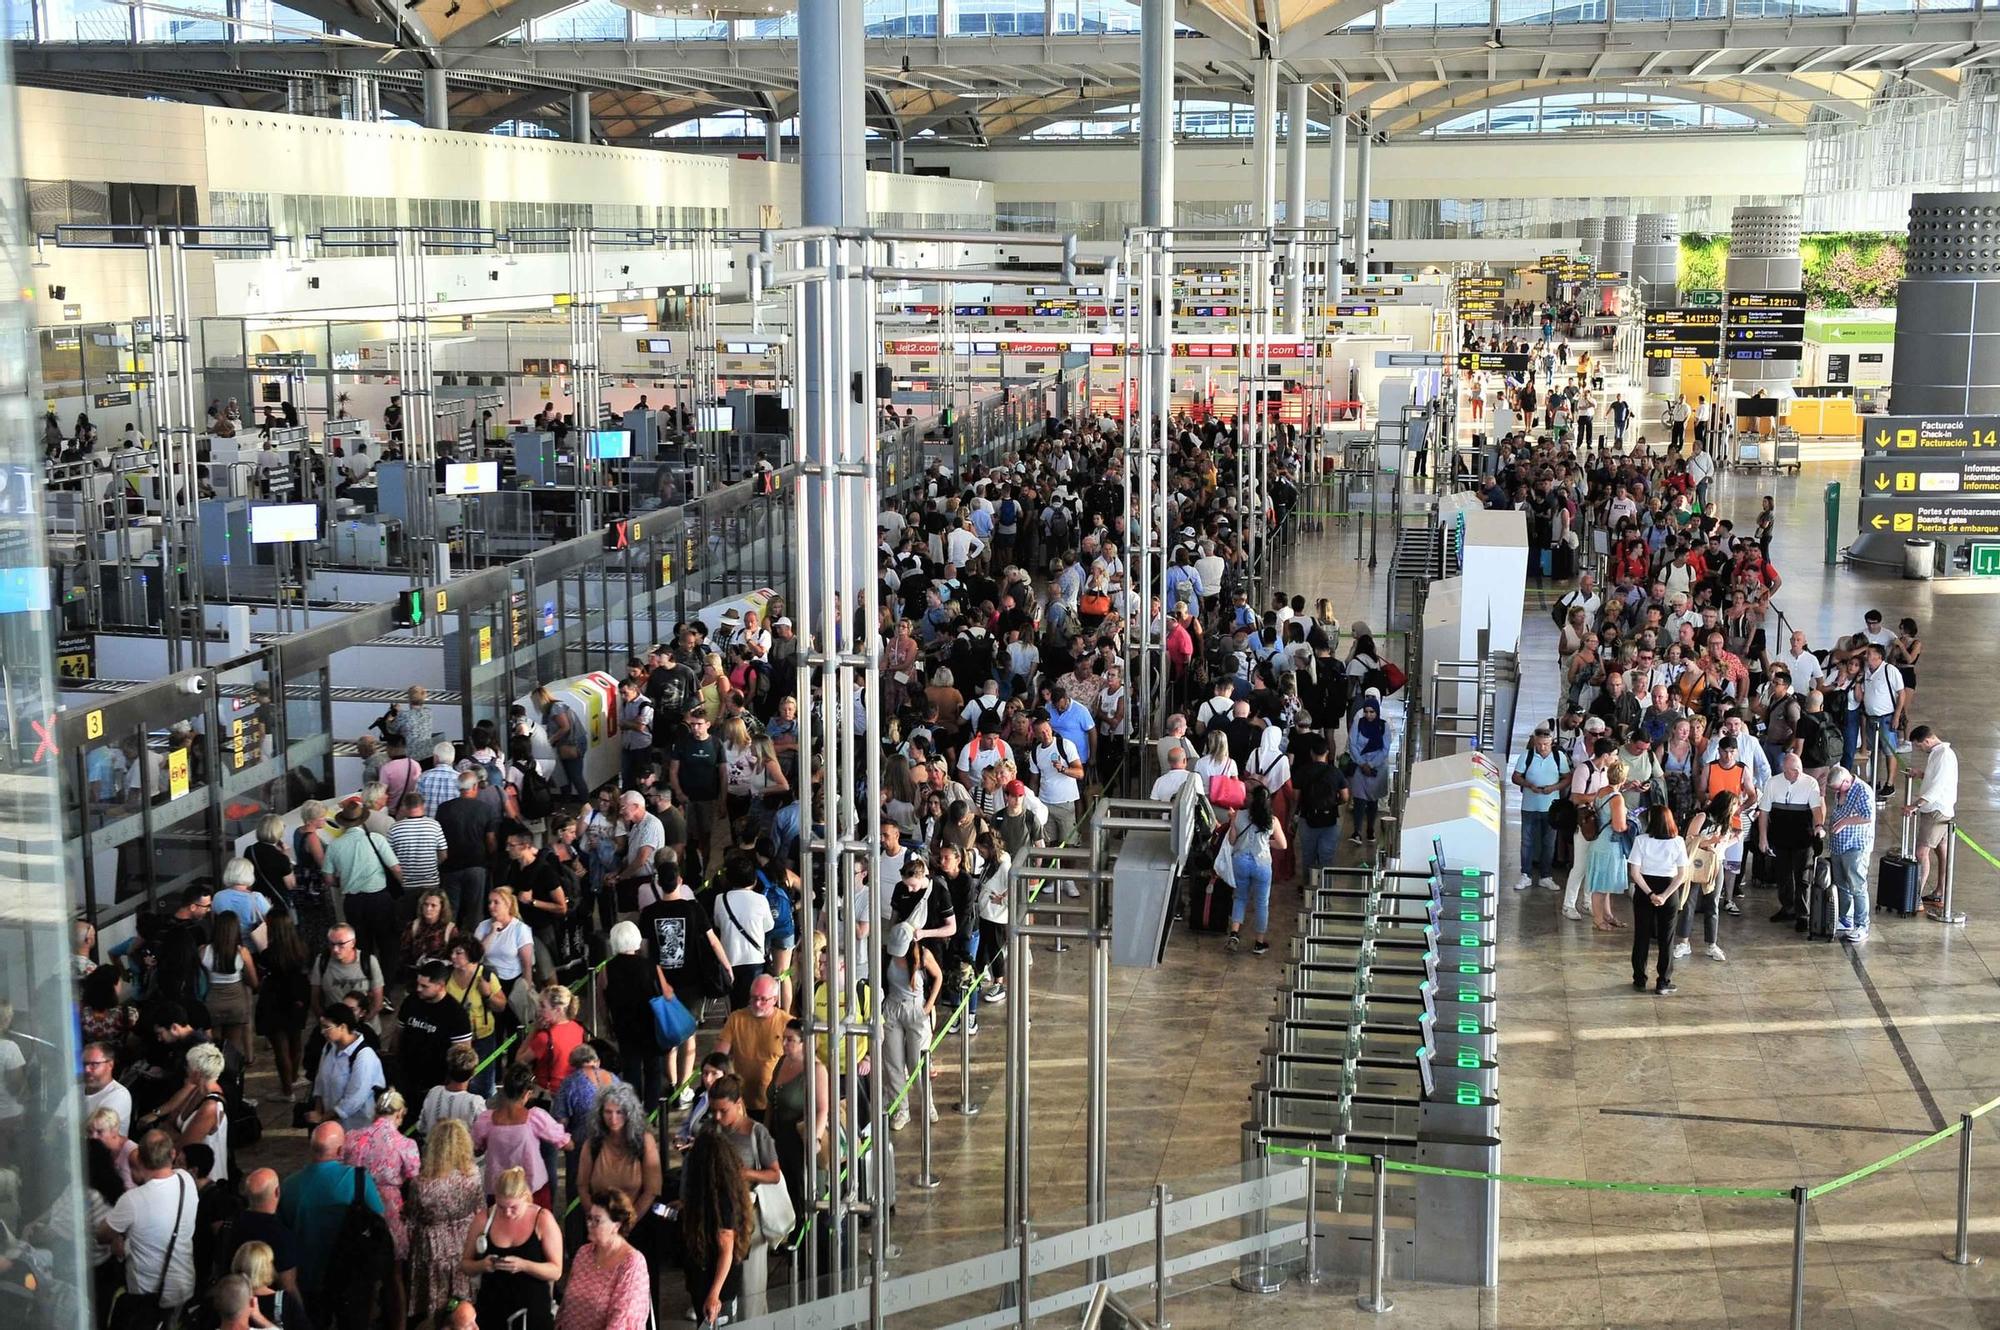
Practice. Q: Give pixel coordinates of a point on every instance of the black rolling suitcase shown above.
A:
(1210, 899)
(1896, 889)
(1822, 909)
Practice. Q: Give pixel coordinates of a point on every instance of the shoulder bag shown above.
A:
(147, 1311)
(673, 1024)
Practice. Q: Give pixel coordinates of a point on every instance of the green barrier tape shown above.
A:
(1976, 847)
(515, 1037)
(1869, 1170)
(1572, 1184)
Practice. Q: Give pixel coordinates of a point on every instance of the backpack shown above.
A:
(1822, 740)
(537, 797)
(364, 1254)
(1319, 803)
(496, 774)
(1010, 512)
(1559, 612)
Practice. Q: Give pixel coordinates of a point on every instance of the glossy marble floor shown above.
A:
(1789, 1063)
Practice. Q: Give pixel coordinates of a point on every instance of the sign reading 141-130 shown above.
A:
(1933, 436)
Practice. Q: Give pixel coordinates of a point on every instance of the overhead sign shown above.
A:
(1506, 362)
(1791, 352)
(1737, 334)
(1677, 349)
(1754, 300)
(1768, 318)
(1684, 318)
(1934, 436)
(1409, 360)
(1354, 311)
(1986, 560)
(1702, 297)
(1930, 517)
(1930, 475)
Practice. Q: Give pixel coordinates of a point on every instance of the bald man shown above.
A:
(464, 1315)
(259, 1222)
(314, 1203)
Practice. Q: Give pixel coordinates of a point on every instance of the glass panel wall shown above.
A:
(41, 1144)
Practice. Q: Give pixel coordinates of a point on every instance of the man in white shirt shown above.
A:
(1882, 702)
(1585, 598)
(1804, 665)
(1873, 631)
(1058, 766)
(1937, 800)
(153, 1225)
(963, 545)
(1684, 613)
(1168, 786)
(1793, 813)
(101, 1088)
(743, 921)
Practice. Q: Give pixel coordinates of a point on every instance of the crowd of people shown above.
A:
(485, 1146)
(1702, 745)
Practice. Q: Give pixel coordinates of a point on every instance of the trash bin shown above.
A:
(1919, 560)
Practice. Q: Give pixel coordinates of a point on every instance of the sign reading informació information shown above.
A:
(1935, 476)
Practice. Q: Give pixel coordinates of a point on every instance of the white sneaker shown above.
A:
(1681, 949)
(1548, 884)
(1524, 883)
(1857, 935)
(901, 1120)
(1571, 912)
(1069, 891)
(1715, 953)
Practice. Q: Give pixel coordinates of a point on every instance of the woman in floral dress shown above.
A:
(443, 1200)
(391, 1159)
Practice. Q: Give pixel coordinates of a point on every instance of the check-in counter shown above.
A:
(1823, 417)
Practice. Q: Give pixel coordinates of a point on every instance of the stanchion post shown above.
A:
(1023, 1236)
(927, 1179)
(1799, 1197)
(966, 1107)
(1160, 1256)
(1378, 1255)
(1312, 1220)
(1962, 1249)
(1946, 911)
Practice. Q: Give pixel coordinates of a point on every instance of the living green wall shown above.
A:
(1843, 269)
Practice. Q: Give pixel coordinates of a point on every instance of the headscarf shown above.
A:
(1369, 727)
(1273, 768)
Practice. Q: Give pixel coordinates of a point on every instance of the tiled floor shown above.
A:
(1789, 1063)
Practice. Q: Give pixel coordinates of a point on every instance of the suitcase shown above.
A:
(1896, 889)
(1213, 900)
(1822, 911)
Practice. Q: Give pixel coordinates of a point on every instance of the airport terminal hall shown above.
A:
(999, 664)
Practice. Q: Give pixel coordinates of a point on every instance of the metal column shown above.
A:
(1362, 199)
(895, 157)
(437, 99)
(579, 116)
(773, 139)
(1264, 131)
(1295, 208)
(1336, 194)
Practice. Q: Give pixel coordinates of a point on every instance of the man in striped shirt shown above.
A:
(419, 844)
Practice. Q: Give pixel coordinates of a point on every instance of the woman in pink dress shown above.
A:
(510, 1135)
(443, 1200)
(391, 1159)
(609, 1285)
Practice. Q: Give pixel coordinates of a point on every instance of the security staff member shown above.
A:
(1793, 812)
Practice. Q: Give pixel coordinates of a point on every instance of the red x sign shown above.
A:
(47, 746)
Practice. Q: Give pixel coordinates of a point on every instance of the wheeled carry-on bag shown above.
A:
(1822, 913)
(1897, 887)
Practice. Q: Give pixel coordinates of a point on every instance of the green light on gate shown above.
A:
(1468, 1059)
(1468, 917)
(1468, 969)
(1468, 1027)
(1468, 872)
(1468, 995)
(1468, 939)
(1466, 895)
(1468, 1094)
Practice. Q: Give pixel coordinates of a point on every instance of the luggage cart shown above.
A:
(1785, 450)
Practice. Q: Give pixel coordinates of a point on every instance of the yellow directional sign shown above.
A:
(1930, 517)
(1929, 436)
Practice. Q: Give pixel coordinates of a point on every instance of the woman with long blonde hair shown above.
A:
(443, 1198)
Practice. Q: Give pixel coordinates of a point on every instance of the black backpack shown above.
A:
(1320, 806)
(537, 796)
(1822, 740)
(363, 1255)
